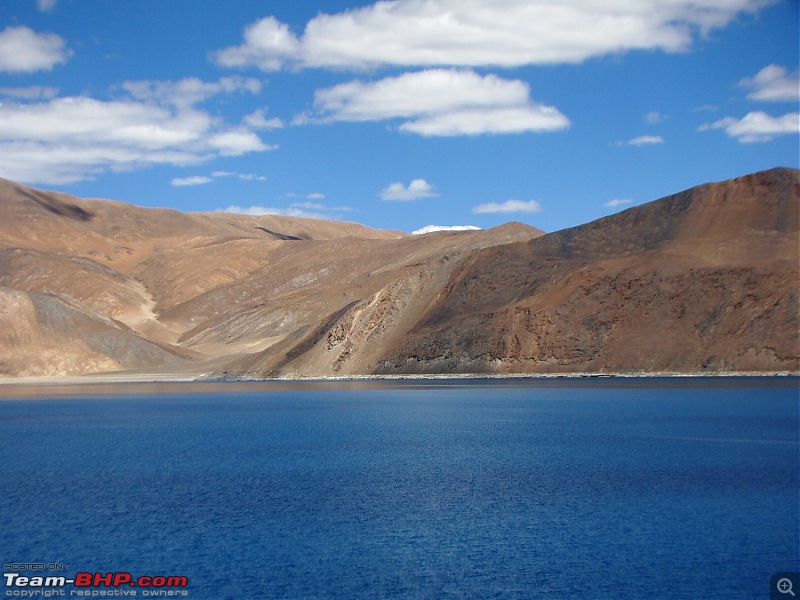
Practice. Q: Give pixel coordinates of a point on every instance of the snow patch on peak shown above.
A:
(432, 228)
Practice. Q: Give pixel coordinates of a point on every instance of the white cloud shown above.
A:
(22, 50)
(187, 181)
(70, 139)
(267, 44)
(236, 141)
(34, 92)
(308, 205)
(202, 179)
(441, 102)
(418, 188)
(311, 196)
(244, 176)
(433, 91)
(479, 121)
(434, 228)
(618, 202)
(507, 207)
(646, 140)
(505, 33)
(258, 120)
(654, 117)
(46, 5)
(258, 210)
(251, 177)
(773, 83)
(757, 126)
(300, 209)
(189, 91)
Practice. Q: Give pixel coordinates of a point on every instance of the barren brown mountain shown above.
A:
(95, 286)
(706, 280)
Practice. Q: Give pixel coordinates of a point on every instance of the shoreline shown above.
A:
(146, 378)
(502, 376)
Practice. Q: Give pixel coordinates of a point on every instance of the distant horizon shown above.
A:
(396, 115)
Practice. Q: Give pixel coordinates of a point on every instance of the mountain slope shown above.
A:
(703, 280)
(191, 292)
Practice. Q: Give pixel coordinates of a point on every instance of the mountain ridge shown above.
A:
(705, 280)
(616, 250)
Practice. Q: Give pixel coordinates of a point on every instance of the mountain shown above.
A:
(96, 286)
(705, 280)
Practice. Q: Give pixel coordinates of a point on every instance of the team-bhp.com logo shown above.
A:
(117, 584)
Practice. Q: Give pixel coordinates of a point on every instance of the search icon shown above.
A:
(785, 586)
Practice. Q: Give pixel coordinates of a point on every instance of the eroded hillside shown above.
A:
(97, 286)
(705, 280)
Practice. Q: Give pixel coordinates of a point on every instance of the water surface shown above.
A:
(612, 488)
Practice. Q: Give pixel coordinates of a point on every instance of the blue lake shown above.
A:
(579, 488)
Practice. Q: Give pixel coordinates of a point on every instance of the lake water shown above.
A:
(608, 488)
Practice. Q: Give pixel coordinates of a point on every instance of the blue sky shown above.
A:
(396, 114)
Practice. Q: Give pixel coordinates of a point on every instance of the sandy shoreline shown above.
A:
(135, 378)
(113, 385)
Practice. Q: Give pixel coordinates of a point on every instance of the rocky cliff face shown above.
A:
(705, 280)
